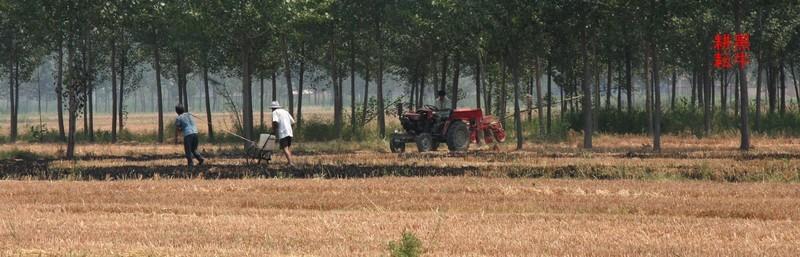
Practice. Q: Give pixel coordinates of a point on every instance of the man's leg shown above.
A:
(286, 146)
(187, 150)
(288, 152)
(195, 142)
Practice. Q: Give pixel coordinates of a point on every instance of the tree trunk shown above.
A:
(261, 103)
(783, 88)
(274, 86)
(549, 97)
(288, 73)
(60, 92)
(501, 103)
(86, 114)
(337, 111)
(120, 104)
(674, 86)
(379, 92)
(91, 112)
(456, 75)
(587, 96)
(745, 132)
(178, 75)
(648, 85)
(628, 80)
(113, 91)
(657, 102)
(619, 89)
(517, 116)
(366, 94)
(596, 85)
(609, 81)
(693, 89)
(247, 92)
(794, 82)
(772, 88)
(736, 97)
(723, 91)
(208, 102)
(539, 98)
(300, 90)
(443, 81)
(421, 97)
(72, 120)
(157, 64)
(487, 95)
(706, 101)
(759, 71)
(12, 84)
(478, 72)
(352, 86)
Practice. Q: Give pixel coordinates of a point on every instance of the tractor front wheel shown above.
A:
(458, 136)
(424, 142)
(397, 145)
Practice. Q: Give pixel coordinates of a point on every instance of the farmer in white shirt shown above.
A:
(282, 127)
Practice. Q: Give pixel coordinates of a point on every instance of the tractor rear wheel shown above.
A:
(424, 142)
(458, 136)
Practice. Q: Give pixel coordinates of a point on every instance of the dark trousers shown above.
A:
(190, 148)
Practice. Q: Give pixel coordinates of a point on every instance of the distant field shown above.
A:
(148, 122)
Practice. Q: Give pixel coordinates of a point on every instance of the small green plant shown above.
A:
(408, 246)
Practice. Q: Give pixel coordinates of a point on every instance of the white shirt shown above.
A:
(285, 121)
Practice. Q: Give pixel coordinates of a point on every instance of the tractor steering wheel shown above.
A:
(431, 107)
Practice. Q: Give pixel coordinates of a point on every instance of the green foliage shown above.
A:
(408, 246)
(19, 154)
(315, 130)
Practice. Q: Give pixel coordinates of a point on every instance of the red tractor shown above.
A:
(428, 127)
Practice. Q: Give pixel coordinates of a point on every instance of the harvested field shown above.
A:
(699, 197)
(453, 216)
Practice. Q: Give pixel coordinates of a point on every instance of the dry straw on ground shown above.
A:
(453, 216)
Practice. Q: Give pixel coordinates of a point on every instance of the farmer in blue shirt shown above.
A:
(185, 125)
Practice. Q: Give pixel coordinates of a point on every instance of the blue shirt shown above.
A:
(185, 123)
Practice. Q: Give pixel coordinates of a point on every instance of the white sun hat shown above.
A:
(275, 105)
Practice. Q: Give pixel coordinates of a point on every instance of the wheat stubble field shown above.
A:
(697, 198)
